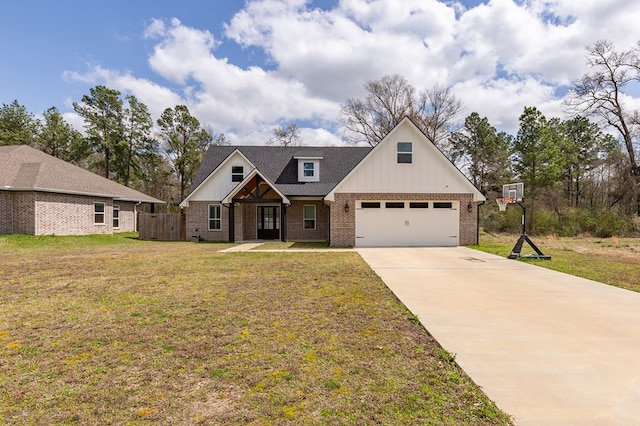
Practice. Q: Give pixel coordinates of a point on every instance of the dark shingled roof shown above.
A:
(277, 163)
(23, 168)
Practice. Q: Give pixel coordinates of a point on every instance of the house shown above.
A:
(403, 192)
(41, 194)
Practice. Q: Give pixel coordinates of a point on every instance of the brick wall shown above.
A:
(127, 216)
(6, 212)
(24, 213)
(343, 224)
(249, 223)
(295, 228)
(197, 222)
(46, 213)
(64, 214)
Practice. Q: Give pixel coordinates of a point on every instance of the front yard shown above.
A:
(614, 261)
(113, 330)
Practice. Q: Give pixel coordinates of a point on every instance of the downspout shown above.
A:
(135, 216)
(481, 203)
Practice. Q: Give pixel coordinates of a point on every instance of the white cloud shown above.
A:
(498, 57)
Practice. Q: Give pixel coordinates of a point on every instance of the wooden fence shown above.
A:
(162, 226)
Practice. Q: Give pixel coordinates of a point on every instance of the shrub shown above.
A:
(566, 222)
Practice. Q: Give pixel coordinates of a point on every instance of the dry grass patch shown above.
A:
(614, 261)
(177, 333)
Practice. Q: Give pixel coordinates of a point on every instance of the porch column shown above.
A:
(283, 222)
(232, 224)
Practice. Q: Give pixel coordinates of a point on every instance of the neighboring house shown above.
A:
(41, 194)
(403, 192)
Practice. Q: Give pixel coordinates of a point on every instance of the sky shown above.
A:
(245, 67)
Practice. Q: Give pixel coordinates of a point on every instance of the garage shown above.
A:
(407, 223)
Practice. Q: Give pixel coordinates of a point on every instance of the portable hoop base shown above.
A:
(516, 252)
(517, 249)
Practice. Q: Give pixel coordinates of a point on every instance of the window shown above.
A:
(405, 155)
(308, 169)
(370, 205)
(98, 213)
(309, 217)
(442, 205)
(418, 205)
(237, 173)
(215, 219)
(116, 217)
(394, 205)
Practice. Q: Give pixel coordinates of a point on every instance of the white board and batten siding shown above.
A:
(429, 172)
(218, 185)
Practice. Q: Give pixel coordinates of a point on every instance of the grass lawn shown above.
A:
(614, 261)
(113, 330)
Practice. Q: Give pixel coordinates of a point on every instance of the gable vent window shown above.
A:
(405, 153)
(237, 173)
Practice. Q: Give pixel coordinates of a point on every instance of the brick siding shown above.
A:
(44, 213)
(333, 224)
(197, 222)
(6, 212)
(295, 218)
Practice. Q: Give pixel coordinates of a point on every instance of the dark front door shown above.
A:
(268, 223)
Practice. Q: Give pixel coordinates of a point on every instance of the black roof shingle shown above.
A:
(278, 164)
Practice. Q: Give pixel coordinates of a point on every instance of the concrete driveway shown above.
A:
(548, 348)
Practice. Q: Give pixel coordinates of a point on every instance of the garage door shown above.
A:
(407, 223)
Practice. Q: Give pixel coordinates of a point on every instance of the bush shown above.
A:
(568, 222)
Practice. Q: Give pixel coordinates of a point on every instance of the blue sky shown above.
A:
(244, 67)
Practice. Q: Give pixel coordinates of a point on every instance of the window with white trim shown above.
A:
(215, 217)
(99, 213)
(237, 173)
(309, 217)
(308, 169)
(116, 216)
(405, 153)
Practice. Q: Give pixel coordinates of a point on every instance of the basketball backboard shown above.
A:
(514, 191)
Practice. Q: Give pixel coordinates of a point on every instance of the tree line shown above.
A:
(120, 143)
(581, 174)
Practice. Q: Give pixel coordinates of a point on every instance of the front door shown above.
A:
(268, 222)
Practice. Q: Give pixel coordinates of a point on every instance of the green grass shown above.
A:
(19, 241)
(290, 245)
(138, 332)
(614, 261)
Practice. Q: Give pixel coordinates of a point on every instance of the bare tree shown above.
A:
(289, 136)
(391, 99)
(438, 113)
(601, 93)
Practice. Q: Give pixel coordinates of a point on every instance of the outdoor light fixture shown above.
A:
(346, 207)
(469, 207)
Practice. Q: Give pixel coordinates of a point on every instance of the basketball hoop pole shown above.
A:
(517, 249)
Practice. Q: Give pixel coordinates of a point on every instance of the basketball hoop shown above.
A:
(502, 203)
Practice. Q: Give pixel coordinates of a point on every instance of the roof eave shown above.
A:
(150, 200)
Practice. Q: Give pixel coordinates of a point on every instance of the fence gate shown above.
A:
(162, 226)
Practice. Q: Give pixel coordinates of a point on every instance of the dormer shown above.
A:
(308, 168)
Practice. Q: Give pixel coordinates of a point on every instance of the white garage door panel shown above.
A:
(407, 227)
